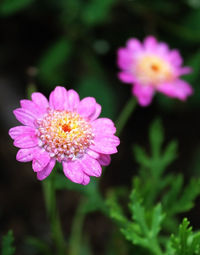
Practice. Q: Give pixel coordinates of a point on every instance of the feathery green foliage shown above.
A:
(7, 244)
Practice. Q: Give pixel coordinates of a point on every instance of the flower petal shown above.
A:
(175, 58)
(150, 43)
(86, 179)
(92, 154)
(73, 171)
(25, 141)
(105, 145)
(40, 161)
(41, 175)
(87, 107)
(58, 98)
(20, 130)
(96, 113)
(31, 107)
(143, 93)
(40, 100)
(179, 89)
(25, 155)
(104, 159)
(24, 116)
(126, 77)
(103, 125)
(125, 59)
(91, 166)
(73, 100)
(134, 45)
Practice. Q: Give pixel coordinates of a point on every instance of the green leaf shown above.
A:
(97, 87)
(9, 7)
(96, 12)
(7, 244)
(141, 156)
(185, 243)
(51, 65)
(156, 137)
(40, 246)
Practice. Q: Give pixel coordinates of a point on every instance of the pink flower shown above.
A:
(65, 129)
(151, 67)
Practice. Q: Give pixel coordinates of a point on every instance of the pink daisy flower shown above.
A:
(64, 129)
(152, 67)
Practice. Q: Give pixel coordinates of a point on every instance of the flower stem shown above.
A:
(76, 233)
(125, 114)
(50, 201)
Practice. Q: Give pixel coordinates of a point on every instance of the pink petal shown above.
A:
(31, 107)
(104, 159)
(91, 166)
(20, 130)
(105, 145)
(24, 116)
(25, 155)
(46, 171)
(96, 113)
(179, 89)
(104, 125)
(58, 98)
(150, 43)
(40, 161)
(73, 171)
(86, 179)
(134, 45)
(26, 141)
(92, 154)
(40, 100)
(73, 100)
(87, 107)
(184, 70)
(144, 94)
(175, 58)
(125, 59)
(162, 49)
(126, 77)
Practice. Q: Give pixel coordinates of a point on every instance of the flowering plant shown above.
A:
(152, 67)
(66, 130)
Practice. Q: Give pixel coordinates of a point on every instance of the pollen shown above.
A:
(64, 135)
(153, 70)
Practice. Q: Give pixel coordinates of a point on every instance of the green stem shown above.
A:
(125, 114)
(75, 242)
(50, 201)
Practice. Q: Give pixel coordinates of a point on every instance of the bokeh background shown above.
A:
(73, 43)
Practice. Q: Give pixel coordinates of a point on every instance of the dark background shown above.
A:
(44, 43)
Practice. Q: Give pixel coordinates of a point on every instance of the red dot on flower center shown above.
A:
(66, 128)
(154, 67)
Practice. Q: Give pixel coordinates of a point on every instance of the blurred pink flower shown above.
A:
(67, 130)
(151, 67)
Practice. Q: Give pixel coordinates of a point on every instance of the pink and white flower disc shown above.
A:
(64, 129)
(151, 66)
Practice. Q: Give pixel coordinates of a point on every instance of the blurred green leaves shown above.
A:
(51, 66)
(186, 242)
(96, 11)
(9, 7)
(103, 93)
(7, 244)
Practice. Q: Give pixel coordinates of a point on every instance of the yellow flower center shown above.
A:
(153, 70)
(65, 135)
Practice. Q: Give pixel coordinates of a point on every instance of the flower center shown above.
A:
(153, 70)
(65, 135)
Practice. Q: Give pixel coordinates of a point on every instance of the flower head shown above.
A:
(64, 129)
(151, 67)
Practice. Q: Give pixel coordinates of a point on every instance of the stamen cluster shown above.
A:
(65, 135)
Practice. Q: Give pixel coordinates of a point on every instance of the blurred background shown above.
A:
(73, 43)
